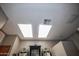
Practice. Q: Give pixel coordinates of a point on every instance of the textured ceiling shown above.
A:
(64, 19)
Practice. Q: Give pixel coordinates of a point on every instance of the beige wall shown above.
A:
(59, 50)
(12, 40)
(3, 18)
(44, 44)
(75, 39)
(2, 35)
(70, 48)
(9, 40)
(15, 46)
(64, 48)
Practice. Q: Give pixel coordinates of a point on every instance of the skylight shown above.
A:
(44, 30)
(26, 29)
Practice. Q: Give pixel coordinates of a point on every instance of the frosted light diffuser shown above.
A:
(26, 30)
(44, 30)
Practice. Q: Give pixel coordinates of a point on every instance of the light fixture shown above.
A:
(44, 30)
(26, 30)
(77, 29)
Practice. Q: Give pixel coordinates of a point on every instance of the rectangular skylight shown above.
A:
(44, 30)
(26, 29)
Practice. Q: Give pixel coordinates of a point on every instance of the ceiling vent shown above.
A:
(47, 21)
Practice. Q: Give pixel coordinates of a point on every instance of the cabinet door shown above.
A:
(4, 50)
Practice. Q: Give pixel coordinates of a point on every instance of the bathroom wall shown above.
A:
(43, 43)
(15, 46)
(3, 18)
(13, 41)
(59, 50)
(75, 39)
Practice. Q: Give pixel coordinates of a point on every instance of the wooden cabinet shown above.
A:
(4, 50)
(13, 41)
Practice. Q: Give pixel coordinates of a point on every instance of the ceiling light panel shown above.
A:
(26, 30)
(44, 30)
